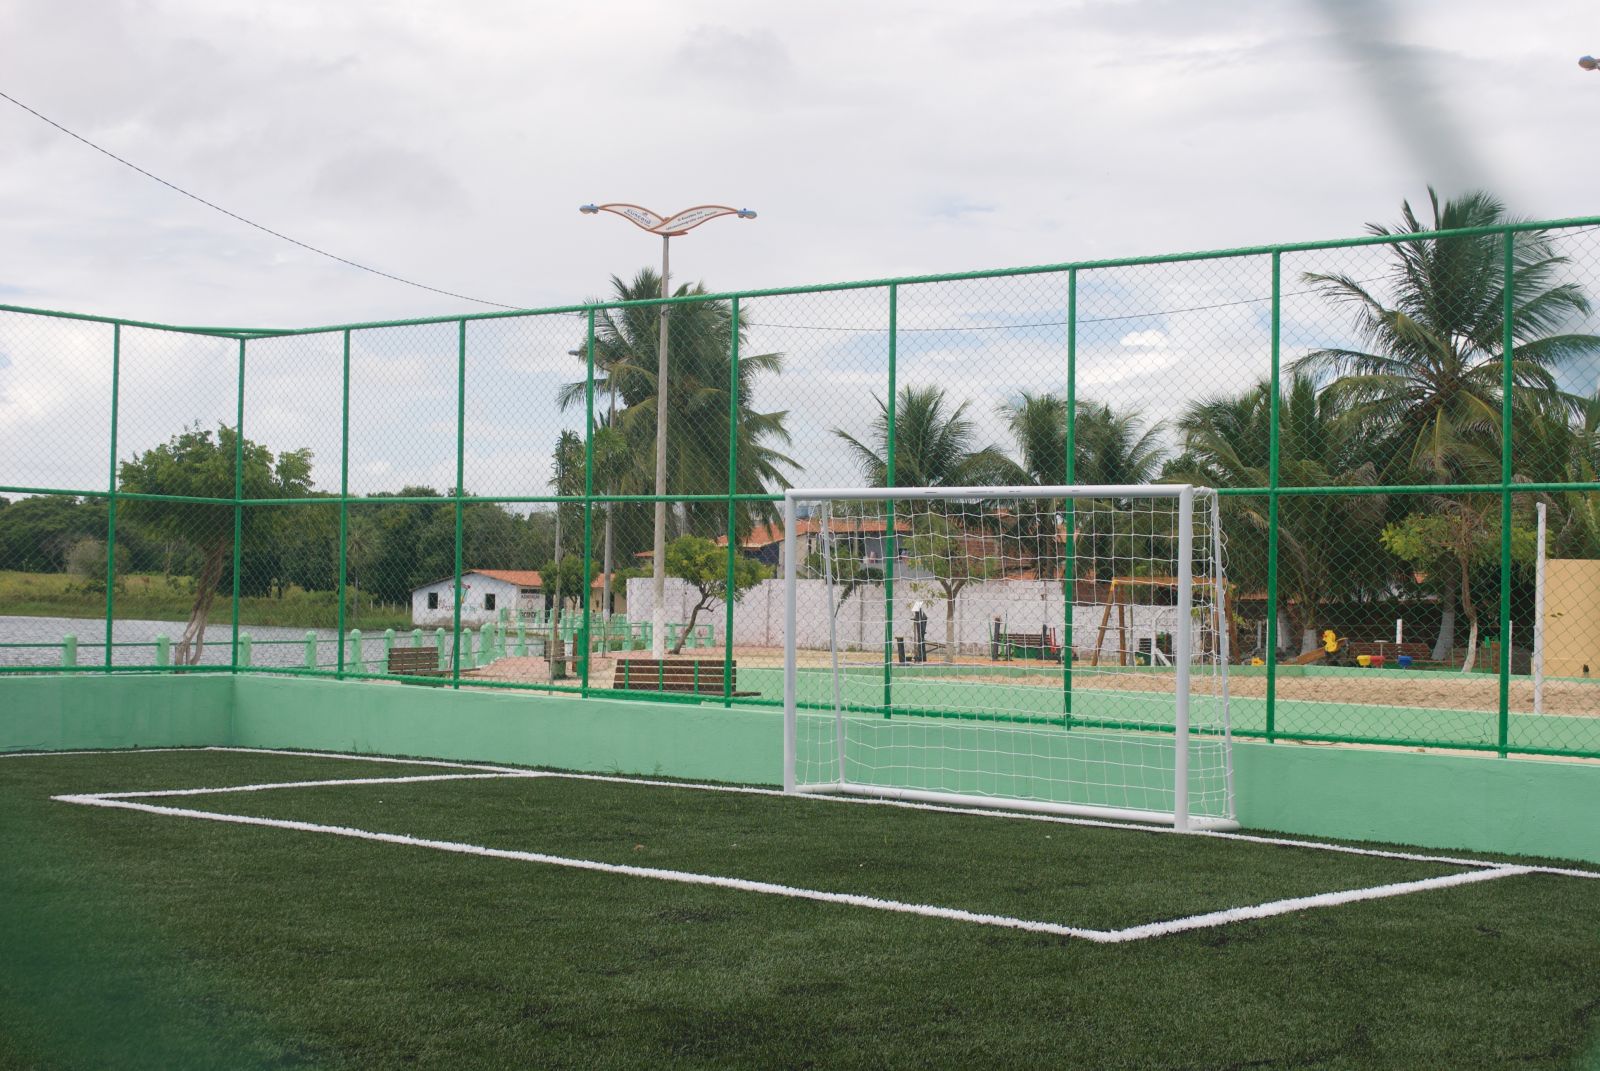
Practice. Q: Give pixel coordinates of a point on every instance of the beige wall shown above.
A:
(1572, 617)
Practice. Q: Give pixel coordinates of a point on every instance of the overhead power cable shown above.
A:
(250, 222)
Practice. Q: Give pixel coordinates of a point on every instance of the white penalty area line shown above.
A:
(125, 801)
(979, 812)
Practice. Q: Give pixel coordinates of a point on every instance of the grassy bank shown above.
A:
(152, 597)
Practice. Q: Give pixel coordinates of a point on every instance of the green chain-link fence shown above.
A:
(1392, 421)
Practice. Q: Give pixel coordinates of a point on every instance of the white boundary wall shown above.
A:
(1023, 605)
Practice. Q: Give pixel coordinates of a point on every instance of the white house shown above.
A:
(486, 595)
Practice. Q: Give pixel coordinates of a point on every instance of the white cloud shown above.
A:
(1144, 340)
(927, 138)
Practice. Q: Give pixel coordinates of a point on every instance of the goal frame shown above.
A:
(1184, 494)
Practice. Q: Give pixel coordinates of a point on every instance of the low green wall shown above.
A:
(1470, 802)
(83, 711)
(1440, 801)
(599, 735)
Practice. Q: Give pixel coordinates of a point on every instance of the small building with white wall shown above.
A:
(489, 595)
(484, 594)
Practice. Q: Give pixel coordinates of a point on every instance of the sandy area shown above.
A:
(1422, 690)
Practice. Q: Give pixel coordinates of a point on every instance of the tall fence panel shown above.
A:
(1405, 431)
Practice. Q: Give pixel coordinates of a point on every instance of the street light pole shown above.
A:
(668, 227)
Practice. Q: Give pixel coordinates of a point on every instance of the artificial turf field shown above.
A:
(130, 938)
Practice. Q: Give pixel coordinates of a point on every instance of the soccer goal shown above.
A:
(1059, 649)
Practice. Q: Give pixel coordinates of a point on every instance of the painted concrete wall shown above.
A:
(84, 711)
(1436, 801)
(1023, 605)
(474, 586)
(1572, 618)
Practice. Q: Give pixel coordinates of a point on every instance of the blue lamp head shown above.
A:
(746, 213)
(589, 210)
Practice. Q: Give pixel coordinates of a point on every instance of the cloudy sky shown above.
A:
(451, 144)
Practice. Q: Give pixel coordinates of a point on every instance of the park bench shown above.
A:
(415, 662)
(1029, 645)
(700, 676)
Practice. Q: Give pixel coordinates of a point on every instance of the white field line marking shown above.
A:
(295, 784)
(1132, 933)
(680, 876)
(1302, 903)
(95, 751)
(1287, 842)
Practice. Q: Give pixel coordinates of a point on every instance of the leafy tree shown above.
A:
(571, 577)
(704, 566)
(196, 464)
(953, 557)
(1456, 540)
(87, 561)
(934, 444)
(37, 532)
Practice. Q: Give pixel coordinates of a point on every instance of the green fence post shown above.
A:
(311, 649)
(438, 645)
(163, 651)
(344, 504)
(416, 637)
(388, 646)
(1274, 426)
(461, 462)
(522, 639)
(1508, 342)
(111, 496)
(890, 547)
(355, 651)
(733, 489)
(1069, 517)
(238, 504)
(586, 586)
(246, 647)
(69, 651)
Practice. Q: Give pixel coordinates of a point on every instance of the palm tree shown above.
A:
(1426, 378)
(1227, 443)
(1109, 447)
(933, 445)
(1426, 383)
(566, 479)
(1113, 447)
(700, 343)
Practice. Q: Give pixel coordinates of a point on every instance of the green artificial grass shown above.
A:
(137, 940)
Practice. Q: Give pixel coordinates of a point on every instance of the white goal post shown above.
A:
(1061, 649)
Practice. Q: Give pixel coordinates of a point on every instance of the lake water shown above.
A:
(272, 646)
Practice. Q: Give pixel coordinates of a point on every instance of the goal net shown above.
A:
(1057, 649)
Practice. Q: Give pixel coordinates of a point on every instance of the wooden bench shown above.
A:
(1043, 643)
(415, 662)
(699, 676)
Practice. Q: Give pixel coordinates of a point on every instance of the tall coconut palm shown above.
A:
(567, 480)
(1109, 447)
(1425, 380)
(699, 339)
(1425, 375)
(1227, 443)
(934, 444)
